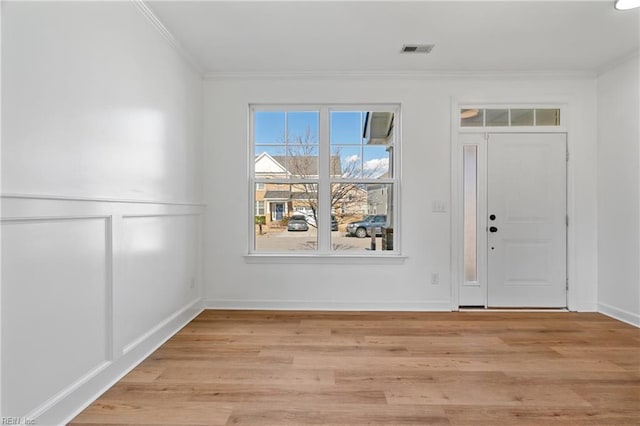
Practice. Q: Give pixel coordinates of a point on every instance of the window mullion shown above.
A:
(324, 188)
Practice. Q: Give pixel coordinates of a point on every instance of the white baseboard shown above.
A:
(142, 339)
(582, 306)
(82, 395)
(619, 314)
(320, 305)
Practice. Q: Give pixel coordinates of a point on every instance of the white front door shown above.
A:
(526, 223)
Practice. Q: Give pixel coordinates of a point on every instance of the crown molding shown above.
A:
(394, 75)
(168, 36)
(618, 62)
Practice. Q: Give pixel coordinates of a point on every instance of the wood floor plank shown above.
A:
(293, 395)
(159, 412)
(537, 416)
(486, 394)
(354, 414)
(236, 393)
(258, 329)
(390, 379)
(542, 365)
(387, 368)
(627, 357)
(257, 341)
(210, 358)
(610, 396)
(339, 350)
(626, 378)
(375, 363)
(420, 343)
(259, 376)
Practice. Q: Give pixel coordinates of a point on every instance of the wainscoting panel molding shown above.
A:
(89, 289)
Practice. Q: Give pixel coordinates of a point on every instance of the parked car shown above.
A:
(364, 227)
(297, 222)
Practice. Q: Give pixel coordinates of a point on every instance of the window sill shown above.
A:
(372, 259)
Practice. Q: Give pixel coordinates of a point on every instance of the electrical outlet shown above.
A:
(435, 278)
(193, 283)
(439, 207)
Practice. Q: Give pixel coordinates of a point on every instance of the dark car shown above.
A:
(364, 227)
(297, 222)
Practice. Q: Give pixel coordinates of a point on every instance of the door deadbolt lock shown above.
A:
(492, 217)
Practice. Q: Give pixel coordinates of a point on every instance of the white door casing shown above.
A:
(526, 191)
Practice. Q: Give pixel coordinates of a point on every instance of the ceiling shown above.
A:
(366, 36)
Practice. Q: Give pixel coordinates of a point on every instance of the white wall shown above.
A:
(425, 236)
(100, 105)
(101, 180)
(619, 192)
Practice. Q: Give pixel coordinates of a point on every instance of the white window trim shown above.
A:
(324, 252)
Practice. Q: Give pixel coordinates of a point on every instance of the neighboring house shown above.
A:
(277, 201)
(272, 200)
(354, 204)
(378, 131)
(379, 198)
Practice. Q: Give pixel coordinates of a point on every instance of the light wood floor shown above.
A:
(463, 368)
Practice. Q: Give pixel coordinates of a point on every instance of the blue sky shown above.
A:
(273, 127)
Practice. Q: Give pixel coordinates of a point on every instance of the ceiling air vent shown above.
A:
(417, 48)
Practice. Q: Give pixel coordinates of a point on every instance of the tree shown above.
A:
(302, 162)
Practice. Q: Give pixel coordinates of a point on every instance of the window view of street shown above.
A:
(291, 174)
(279, 239)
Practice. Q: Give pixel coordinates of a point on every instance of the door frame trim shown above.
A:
(456, 202)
